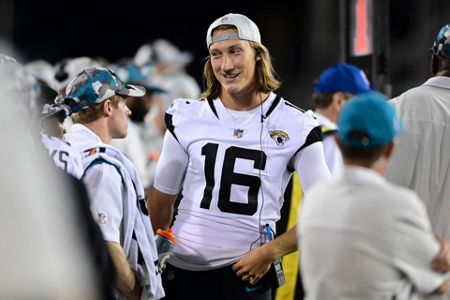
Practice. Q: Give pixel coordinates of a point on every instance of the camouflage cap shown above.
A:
(441, 45)
(96, 84)
(53, 109)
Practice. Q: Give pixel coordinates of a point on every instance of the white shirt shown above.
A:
(333, 154)
(362, 237)
(422, 158)
(104, 186)
(234, 174)
(117, 203)
(63, 155)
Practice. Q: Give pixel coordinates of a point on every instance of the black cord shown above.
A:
(261, 231)
(253, 243)
(260, 226)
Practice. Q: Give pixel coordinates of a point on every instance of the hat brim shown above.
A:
(132, 90)
(53, 110)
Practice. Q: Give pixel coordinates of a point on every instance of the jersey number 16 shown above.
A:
(229, 177)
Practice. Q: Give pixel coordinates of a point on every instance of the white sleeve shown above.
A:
(171, 166)
(104, 186)
(75, 166)
(416, 246)
(333, 154)
(310, 165)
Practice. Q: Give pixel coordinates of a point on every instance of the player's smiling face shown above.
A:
(233, 62)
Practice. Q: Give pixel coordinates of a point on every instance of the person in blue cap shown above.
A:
(361, 236)
(332, 89)
(422, 161)
(335, 86)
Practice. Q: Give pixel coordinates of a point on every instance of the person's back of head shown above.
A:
(266, 80)
(336, 85)
(368, 125)
(440, 59)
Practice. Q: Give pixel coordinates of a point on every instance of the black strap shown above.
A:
(272, 107)
(315, 135)
(169, 125)
(213, 108)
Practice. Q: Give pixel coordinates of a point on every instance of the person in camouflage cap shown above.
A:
(97, 98)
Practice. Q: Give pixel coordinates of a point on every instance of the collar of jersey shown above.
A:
(224, 116)
(439, 81)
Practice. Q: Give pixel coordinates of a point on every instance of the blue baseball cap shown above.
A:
(367, 121)
(345, 78)
(441, 45)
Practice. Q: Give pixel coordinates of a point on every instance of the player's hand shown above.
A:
(253, 265)
(441, 263)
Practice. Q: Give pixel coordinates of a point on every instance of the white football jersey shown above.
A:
(236, 175)
(63, 155)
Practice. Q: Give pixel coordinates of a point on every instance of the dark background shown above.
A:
(302, 36)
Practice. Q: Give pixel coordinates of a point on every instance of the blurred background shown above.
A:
(304, 37)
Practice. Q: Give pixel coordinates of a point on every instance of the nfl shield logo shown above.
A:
(102, 218)
(238, 133)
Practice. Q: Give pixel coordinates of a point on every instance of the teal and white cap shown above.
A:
(96, 84)
(247, 29)
(368, 120)
(441, 45)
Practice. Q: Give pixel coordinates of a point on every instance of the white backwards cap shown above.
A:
(247, 29)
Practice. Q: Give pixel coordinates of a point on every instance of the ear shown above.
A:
(107, 107)
(338, 100)
(389, 150)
